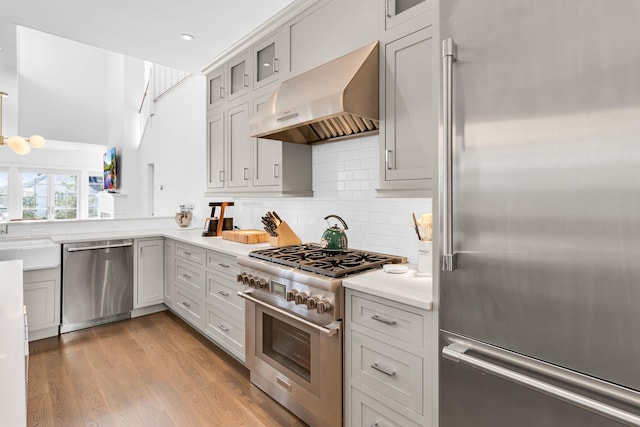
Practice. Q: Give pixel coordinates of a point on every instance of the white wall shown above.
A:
(345, 175)
(63, 90)
(175, 143)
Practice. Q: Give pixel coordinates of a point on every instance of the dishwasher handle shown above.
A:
(91, 248)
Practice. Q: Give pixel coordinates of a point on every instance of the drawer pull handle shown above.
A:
(223, 328)
(223, 293)
(223, 265)
(187, 253)
(383, 320)
(283, 383)
(186, 304)
(186, 276)
(383, 370)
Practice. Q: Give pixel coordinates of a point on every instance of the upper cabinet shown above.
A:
(408, 98)
(404, 15)
(304, 37)
(267, 60)
(409, 130)
(239, 75)
(215, 88)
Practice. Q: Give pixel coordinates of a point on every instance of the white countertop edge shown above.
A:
(189, 236)
(406, 288)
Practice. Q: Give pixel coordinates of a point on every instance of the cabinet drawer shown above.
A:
(226, 331)
(189, 306)
(388, 320)
(366, 412)
(222, 263)
(224, 293)
(387, 369)
(192, 253)
(190, 277)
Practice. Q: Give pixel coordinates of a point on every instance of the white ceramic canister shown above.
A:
(425, 258)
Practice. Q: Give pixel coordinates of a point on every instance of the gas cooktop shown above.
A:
(311, 257)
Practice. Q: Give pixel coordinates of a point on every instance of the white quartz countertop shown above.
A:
(13, 405)
(191, 236)
(407, 288)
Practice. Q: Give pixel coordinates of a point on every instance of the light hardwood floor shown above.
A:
(149, 371)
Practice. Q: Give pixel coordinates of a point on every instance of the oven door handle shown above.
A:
(330, 330)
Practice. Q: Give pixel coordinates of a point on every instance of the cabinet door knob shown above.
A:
(275, 65)
(244, 173)
(221, 176)
(221, 92)
(276, 170)
(245, 80)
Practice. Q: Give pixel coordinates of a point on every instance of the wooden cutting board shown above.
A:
(246, 236)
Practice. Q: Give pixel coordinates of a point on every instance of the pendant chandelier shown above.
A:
(17, 143)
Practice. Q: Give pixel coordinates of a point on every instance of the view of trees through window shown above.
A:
(48, 196)
(95, 186)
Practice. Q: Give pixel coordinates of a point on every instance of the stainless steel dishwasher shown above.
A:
(97, 283)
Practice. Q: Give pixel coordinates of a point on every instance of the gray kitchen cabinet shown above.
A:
(239, 146)
(42, 297)
(224, 309)
(404, 13)
(216, 90)
(239, 76)
(328, 30)
(215, 149)
(267, 60)
(279, 166)
(408, 103)
(387, 362)
(148, 272)
(189, 277)
(169, 272)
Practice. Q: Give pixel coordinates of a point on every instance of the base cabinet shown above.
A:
(388, 363)
(42, 298)
(148, 272)
(205, 289)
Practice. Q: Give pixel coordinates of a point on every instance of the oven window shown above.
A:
(287, 345)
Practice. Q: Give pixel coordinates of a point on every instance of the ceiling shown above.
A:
(145, 29)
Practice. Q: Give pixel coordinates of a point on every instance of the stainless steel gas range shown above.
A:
(293, 312)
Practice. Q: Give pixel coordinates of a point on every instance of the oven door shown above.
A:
(297, 363)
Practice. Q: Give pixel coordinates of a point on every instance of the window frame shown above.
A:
(51, 191)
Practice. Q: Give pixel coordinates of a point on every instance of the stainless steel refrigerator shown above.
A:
(540, 213)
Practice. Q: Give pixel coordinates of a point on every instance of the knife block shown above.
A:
(286, 236)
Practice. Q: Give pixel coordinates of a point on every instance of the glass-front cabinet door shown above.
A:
(266, 57)
(239, 70)
(399, 11)
(215, 89)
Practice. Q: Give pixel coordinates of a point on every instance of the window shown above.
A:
(49, 196)
(4, 194)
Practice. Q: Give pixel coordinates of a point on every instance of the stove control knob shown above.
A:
(312, 302)
(291, 295)
(239, 277)
(252, 282)
(262, 283)
(302, 297)
(323, 306)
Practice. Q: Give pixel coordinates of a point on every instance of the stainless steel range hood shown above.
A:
(335, 100)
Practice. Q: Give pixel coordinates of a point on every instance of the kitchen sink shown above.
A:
(36, 254)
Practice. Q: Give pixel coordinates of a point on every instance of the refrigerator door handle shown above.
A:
(456, 352)
(446, 160)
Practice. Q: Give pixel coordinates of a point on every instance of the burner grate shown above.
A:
(312, 258)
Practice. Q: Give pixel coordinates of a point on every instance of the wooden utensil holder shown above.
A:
(286, 236)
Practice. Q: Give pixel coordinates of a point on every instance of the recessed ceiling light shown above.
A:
(185, 36)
